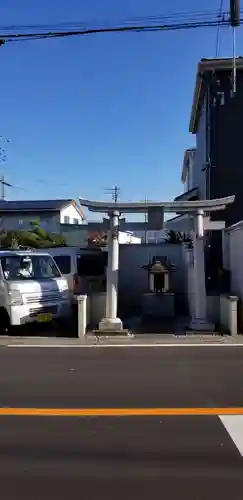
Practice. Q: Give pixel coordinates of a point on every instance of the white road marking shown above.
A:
(100, 345)
(234, 426)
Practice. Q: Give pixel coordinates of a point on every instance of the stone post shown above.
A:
(151, 282)
(82, 315)
(233, 323)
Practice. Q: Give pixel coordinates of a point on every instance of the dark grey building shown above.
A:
(215, 166)
(216, 120)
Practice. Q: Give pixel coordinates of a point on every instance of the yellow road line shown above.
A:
(117, 412)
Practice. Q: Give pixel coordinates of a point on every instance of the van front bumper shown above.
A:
(31, 313)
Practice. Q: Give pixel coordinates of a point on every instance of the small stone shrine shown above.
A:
(159, 300)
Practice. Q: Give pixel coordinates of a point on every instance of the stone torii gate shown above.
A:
(198, 209)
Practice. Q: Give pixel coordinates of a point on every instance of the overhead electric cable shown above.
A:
(189, 16)
(160, 27)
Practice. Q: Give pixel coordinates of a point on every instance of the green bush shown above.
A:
(36, 238)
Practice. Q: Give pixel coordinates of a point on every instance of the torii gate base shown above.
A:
(111, 323)
(201, 224)
(199, 321)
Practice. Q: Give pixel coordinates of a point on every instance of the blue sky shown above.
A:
(86, 113)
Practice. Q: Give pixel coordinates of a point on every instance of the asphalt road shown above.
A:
(191, 458)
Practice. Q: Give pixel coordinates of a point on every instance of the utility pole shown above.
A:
(146, 200)
(235, 13)
(146, 225)
(235, 23)
(3, 184)
(115, 192)
(3, 158)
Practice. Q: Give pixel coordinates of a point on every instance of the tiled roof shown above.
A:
(36, 205)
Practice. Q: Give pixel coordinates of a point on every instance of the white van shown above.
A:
(79, 265)
(32, 288)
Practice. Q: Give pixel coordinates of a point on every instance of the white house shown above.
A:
(51, 214)
(128, 237)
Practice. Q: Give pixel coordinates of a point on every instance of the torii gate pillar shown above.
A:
(111, 322)
(199, 322)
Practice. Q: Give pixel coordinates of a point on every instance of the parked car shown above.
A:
(32, 289)
(84, 268)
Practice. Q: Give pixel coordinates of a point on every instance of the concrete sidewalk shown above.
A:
(138, 340)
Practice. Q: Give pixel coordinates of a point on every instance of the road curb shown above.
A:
(100, 346)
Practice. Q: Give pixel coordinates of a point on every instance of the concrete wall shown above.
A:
(232, 257)
(76, 236)
(133, 280)
(137, 228)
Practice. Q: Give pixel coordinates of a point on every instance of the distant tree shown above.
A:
(97, 239)
(176, 238)
(37, 237)
(45, 238)
(34, 224)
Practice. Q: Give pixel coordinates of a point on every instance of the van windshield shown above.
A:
(29, 267)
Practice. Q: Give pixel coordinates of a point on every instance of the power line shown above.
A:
(133, 28)
(138, 19)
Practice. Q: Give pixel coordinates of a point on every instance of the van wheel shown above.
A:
(4, 322)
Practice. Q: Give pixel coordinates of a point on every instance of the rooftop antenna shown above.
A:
(234, 23)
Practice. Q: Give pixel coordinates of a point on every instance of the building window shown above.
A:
(75, 221)
(66, 219)
(21, 222)
(63, 262)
